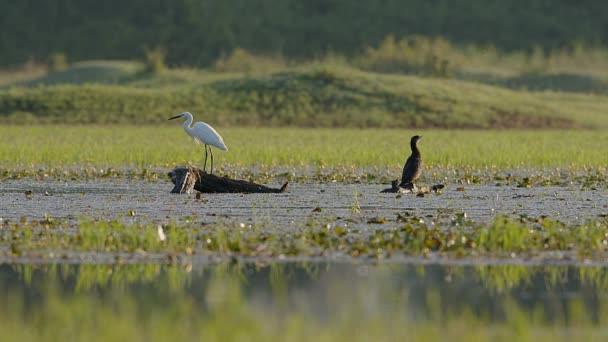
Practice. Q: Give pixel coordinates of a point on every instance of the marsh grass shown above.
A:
(520, 158)
(455, 237)
(165, 146)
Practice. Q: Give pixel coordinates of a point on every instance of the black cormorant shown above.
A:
(413, 166)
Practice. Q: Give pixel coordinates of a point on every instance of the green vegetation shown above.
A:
(396, 75)
(196, 33)
(453, 236)
(57, 62)
(104, 72)
(471, 156)
(312, 96)
(155, 60)
(297, 96)
(581, 69)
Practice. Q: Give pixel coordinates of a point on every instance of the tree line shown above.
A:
(197, 32)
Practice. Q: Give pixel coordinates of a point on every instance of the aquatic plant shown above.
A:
(458, 237)
(525, 158)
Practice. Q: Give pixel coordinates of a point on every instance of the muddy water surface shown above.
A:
(332, 203)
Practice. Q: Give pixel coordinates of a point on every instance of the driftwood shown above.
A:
(187, 179)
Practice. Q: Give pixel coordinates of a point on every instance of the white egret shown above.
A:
(204, 134)
(161, 233)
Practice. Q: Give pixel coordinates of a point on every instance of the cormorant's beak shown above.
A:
(175, 117)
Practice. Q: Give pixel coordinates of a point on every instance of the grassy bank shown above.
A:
(308, 96)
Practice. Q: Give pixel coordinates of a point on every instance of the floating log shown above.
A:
(187, 179)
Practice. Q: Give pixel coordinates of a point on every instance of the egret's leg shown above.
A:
(205, 164)
(211, 151)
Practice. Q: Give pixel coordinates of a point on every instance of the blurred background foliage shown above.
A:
(198, 33)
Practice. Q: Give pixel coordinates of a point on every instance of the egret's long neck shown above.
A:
(188, 121)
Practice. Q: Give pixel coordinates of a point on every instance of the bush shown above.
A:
(58, 61)
(241, 60)
(154, 62)
(411, 55)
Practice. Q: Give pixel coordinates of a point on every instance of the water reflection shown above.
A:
(301, 301)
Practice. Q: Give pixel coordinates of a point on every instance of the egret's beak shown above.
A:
(175, 117)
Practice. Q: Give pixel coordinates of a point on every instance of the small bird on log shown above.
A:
(202, 133)
(413, 166)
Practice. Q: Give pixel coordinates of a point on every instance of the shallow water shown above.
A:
(386, 301)
(196, 299)
(348, 204)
